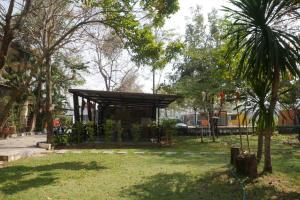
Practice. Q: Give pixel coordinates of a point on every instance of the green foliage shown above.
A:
(169, 127)
(119, 131)
(62, 139)
(136, 129)
(90, 130)
(203, 68)
(66, 121)
(66, 72)
(258, 43)
(168, 123)
(109, 126)
(78, 132)
(138, 36)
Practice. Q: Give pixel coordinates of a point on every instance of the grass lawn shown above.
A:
(92, 175)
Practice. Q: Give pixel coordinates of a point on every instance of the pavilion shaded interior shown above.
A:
(4, 90)
(128, 108)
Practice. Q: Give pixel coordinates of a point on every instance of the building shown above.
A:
(128, 108)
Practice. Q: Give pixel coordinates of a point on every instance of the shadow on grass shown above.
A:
(164, 186)
(259, 192)
(17, 178)
(211, 186)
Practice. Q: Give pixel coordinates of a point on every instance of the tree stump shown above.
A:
(234, 154)
(241, 165)
(252, 166)
(246, 164)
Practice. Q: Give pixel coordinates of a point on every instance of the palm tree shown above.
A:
(257, 98)
(264, 40)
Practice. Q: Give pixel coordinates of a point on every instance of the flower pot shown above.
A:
(12, 130)
(5, 132)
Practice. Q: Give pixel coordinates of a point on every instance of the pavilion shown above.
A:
(126, 107)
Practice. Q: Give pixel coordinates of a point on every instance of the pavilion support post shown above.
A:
(89, 107)
(154, 113)
(95, 113)
(159, 131)
(76, 108)
(158, 116)
(99, 119)
(82, 109)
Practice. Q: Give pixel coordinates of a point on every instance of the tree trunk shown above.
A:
(239, 124)
(37, 106)
(271, 110)
(7, 34)
(260, 143)
(5, 112)
(49, 99)
(33, 122)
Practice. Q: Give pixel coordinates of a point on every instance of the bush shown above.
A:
(78, 132)
(119, 131)
(288, 129)
(61, 139)
(90, 130)
(66, 121)
(108, 130)
(168, 123)
(136, 131)
(169, 128)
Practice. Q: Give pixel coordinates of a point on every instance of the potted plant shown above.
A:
(136, 132)
(168, 126)
(119, 131)
(5, 132)
(108, 130)
(90, 129)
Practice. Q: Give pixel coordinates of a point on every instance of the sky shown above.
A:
(176, 23)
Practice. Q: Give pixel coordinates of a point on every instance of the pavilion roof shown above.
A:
(125, 98)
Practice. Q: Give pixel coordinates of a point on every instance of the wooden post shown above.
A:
(82, 109)
(100, 120)
(76, 108)
(95, 113)
(154, 113)
(89, 107)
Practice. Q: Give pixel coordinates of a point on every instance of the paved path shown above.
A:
(19, 147)
(62, 151)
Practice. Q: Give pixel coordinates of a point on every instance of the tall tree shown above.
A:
(264, 37)
(202, 69)
(56, 23)
(109, 56)
(12, 14)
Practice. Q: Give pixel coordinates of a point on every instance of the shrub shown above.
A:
(78, 132)
(66, 121)
(119, 131)
(61, 139)
(90, 130)
(168, 123)
(169, 127)
(108, 130)
(136, 132)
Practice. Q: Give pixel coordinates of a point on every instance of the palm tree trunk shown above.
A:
(260, 143)
(271, 110)
(239, 124)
